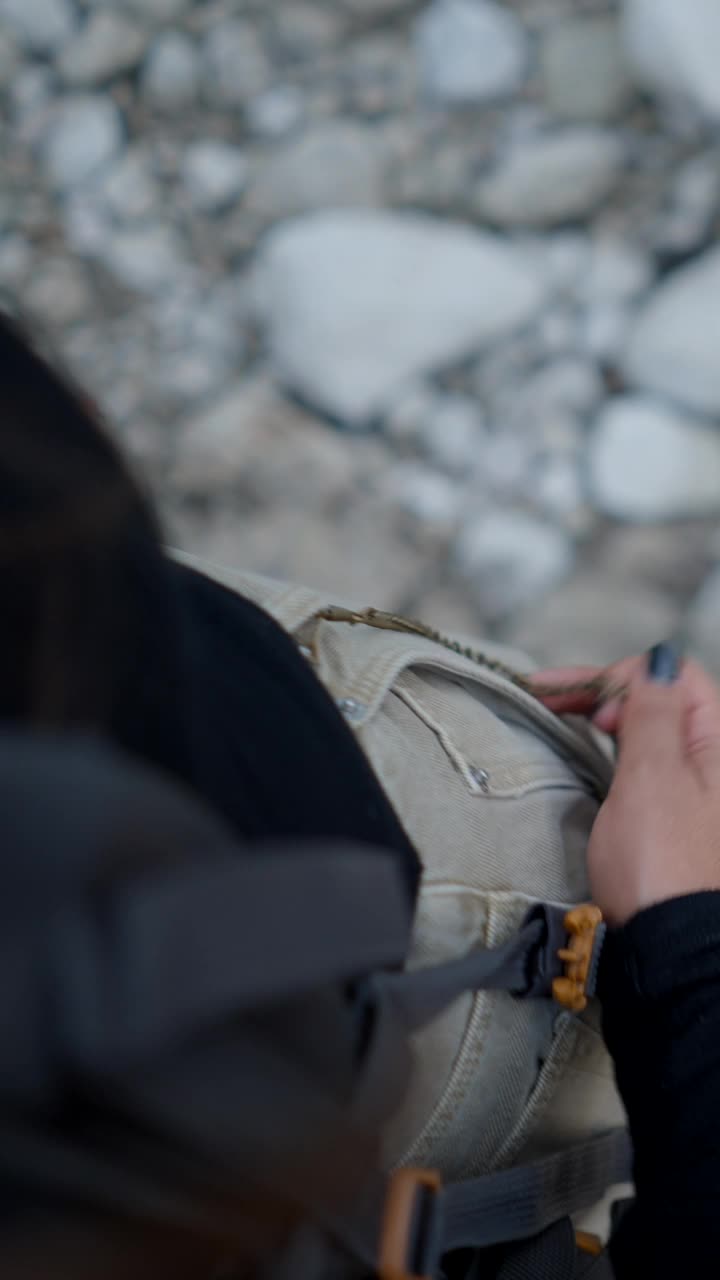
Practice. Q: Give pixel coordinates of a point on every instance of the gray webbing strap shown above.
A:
(519, 1203)
(495, 1209)
(422, 994)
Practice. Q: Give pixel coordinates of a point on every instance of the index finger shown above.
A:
(579, 690)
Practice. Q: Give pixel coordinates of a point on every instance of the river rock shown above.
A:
(553, 179)
(157, 11)
(32, 101)
(58, 293)
(594, 617)
(650, 462)
(171, 72)
(453, 433)
(615, 271)
(373, 8)
(603, 329)
(276, 112)
(356, 304)
(557, 488)
(336, 164)
(15, 261)
(584, 72)
(673, 49)
(86, 221)
(86, 133)
(694, 203)
(252, 435)
(673, 345)
(568, 384)
(213, 174)
(470, 51)
(358, 555)
(303, 30)
(107, 45)
(147, 260)
(432, 499)
(510, 558)
(128, 189)
(235, 66)
(40, 26)
(9, 56)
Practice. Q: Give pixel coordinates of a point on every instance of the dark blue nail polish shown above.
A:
(663, 664)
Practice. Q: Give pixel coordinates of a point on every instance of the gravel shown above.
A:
(476, 241)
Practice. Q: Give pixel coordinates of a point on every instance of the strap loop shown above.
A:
(409, 1244)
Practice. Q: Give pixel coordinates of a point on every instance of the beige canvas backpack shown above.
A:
(498, 796)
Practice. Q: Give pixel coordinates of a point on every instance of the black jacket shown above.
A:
(660, 989)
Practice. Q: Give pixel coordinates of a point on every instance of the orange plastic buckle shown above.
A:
(589, 1244)
(581, 924)
(402, 1227)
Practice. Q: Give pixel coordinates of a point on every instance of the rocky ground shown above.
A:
(416, 301)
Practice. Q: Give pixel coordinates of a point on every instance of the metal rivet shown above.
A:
(481, 777)
(351, 708)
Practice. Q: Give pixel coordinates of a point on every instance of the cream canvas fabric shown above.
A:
(498, 796)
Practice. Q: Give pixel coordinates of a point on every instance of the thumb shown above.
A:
(651, 731)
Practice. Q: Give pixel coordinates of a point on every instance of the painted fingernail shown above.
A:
(663, 664)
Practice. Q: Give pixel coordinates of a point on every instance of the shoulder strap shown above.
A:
(148, 962)
(405, 1227)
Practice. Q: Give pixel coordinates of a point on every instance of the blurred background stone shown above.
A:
(673, 346)
(584, 68)
(673, 49)
(416, 300)
(356, 303)
(651, 462)
(552, 179)
(470, 50)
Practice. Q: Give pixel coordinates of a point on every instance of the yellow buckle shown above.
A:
(581, 924)
(401, 1230)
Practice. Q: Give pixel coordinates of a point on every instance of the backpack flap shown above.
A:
(177, 1039)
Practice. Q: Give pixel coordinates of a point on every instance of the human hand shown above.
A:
(658, 834)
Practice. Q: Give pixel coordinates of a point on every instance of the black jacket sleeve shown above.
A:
(660, 989)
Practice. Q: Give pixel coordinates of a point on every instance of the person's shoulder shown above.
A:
(214, 604)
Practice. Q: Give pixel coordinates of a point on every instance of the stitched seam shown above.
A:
(453, 752)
